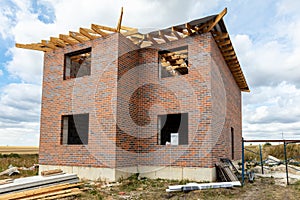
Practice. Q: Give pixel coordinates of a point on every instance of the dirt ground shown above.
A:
(262, 188)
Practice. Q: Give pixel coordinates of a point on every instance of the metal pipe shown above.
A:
(286, 164)
(261, 160)
(243, 162)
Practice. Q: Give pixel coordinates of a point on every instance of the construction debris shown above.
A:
(10, 171)
(33, 182)
(202, 186)
(225, 171)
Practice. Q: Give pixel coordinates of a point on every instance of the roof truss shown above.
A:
(209, 24)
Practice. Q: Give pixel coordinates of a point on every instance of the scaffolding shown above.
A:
(285, 143)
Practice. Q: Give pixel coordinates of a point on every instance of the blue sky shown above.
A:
(265, 35)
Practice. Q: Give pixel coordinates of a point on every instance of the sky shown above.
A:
(265, 35)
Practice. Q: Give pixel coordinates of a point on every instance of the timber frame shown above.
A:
(213, 24)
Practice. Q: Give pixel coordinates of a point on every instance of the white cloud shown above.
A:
(20, 114)
(1, 72)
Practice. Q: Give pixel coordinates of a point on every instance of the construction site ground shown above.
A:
(132, 188)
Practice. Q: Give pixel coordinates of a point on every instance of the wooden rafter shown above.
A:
(34, 46)
(230, 53)
(79, 37)
(68, 39)
(200, 26)
(162, 36)
(223, 43)
(216, 20)
(150, 38)
(88, 33)
(98, 30)
(189, 28)
(57, 42)
(48, 44)
(222, 36)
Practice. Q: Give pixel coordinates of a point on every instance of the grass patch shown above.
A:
(16, 160)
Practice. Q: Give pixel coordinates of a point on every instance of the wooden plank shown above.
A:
(57, 42)
(36, 46)
(98, 30)
(77, 36)
(87, 33)
(216, 20)
(48, 44)
(55, 194)
(68, 39)
(64, 195)
(38, 191)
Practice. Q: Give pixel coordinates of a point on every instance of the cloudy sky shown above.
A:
(265, 35)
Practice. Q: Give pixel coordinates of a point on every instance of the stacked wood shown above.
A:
(51, 172)
(225, 174)
(50, 192)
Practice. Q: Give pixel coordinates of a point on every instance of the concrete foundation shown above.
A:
(153, 172)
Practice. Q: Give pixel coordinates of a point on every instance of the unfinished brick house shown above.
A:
(163, 104)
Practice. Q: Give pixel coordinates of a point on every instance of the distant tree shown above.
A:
(267, 144)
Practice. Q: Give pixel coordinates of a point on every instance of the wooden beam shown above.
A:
(221, 36)
(189, 28)
(48, 44)
(226, 48)
(149, 37)
(68, 39)
(106, 28)
(36, 46)
(79, 37)
(162, 36)
(96, 28)
(203, 26)
(176, 34)
(57, 42)
(87, 33)
(120, 21)
(216, 20)
(223, 43)
(230, 53)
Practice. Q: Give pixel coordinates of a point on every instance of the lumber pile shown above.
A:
(34, 182)
(225, 174)
(50, 192)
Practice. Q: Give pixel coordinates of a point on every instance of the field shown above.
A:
(18, 150)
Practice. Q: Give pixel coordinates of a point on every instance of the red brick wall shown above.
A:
(124, 95)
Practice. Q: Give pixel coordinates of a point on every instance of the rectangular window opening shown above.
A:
(173, 62)
(75, 129)
(232, 143)
(77, 64)
(173, 129)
